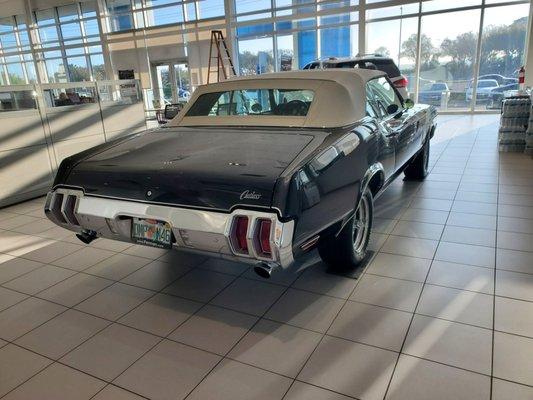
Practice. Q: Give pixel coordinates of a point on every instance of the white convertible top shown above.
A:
(339, 98)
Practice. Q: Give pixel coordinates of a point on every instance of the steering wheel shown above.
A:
(296, 108)
(256, 108)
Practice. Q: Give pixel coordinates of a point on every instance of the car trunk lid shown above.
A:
(196, 167)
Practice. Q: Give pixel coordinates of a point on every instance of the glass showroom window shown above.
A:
(286, 61)
(396, 38)
(16, 60)
(70, 39)
(354, 39)
(255, 9)
(166, 12)
(335, 32)
(208, 9)
(256, 56)
(55, 68)
(502, 53)
(131, 14)
(307, 47)
(438, 5)
(335, 41)
(317, 28)
(162, 12)
(120, 17)
(447, 58)
(301, 43)
(47, 28)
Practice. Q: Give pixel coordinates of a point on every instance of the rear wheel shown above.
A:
(418, 168)
(348, 249)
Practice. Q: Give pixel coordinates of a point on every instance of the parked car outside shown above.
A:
(502, 80)
(436, 94)
(261, 181)
(497, 95)
(484, 87)
(367, 61)
(183, 95)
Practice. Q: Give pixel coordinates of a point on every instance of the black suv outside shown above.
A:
(367, 61)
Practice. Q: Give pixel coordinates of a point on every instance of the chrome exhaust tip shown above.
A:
(86, 236)
(263, 270)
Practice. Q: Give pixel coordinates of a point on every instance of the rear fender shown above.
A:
(375, 169)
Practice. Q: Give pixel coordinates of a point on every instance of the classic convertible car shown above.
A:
(254, 169)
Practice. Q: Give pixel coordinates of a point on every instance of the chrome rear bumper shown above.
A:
(198, 231)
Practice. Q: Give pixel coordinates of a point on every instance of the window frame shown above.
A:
(85, 43)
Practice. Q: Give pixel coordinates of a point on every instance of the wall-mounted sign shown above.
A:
(128, 90)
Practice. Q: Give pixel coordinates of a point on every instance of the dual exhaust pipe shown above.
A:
(86, 236)
(264, 270)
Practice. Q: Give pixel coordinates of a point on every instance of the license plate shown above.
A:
(151, 232)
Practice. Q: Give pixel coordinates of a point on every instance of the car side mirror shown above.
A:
(408, 103)
(392, 109)
(171, 110)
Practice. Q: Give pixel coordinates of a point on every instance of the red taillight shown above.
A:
(265, 226)
(241, 229)
(402, 82)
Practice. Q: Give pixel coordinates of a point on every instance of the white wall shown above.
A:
(11, 7)
(33, 143)
(136, 50)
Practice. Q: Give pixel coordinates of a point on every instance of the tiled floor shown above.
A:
(443, 311)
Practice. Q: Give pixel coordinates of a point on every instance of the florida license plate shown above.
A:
(151, 232)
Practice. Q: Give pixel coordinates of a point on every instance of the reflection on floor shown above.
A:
(443, 311)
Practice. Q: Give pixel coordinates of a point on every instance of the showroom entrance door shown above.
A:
(172, 82)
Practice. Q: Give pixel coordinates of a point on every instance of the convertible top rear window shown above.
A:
(245, 102)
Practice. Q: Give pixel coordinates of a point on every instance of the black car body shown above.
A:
(262, 186)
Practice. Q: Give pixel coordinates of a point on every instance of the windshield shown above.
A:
(245, 102)
(484, 83)
(434, 86)
(488, 83)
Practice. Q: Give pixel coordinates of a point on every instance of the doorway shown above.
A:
(172, 82)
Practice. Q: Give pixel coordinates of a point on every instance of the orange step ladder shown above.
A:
(222, 57)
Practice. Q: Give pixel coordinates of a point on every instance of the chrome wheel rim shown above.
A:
(361, 225)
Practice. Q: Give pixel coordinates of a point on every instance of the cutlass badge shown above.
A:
(250, 195)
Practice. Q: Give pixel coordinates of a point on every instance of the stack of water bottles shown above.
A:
(514, 124)
(529, 132)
